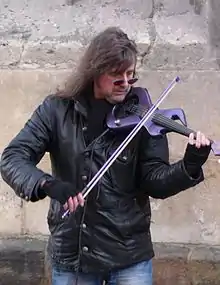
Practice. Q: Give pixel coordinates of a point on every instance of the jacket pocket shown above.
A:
(55, 213)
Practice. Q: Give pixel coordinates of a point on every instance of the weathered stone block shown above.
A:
(143, 8)
(52, 34)
(184, 57)
(214, 29)
(35, 214)
(21, 261)
(181, 43)
(21, 92)
(35, 218)
(51, 55)
(11, 213)
(179, 272)
(186, 264)
(178, 7)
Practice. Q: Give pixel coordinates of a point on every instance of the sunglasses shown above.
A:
(119, 82)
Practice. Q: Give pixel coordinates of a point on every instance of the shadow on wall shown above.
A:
(214, 28)
(197, 5)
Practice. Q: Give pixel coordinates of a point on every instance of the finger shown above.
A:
(65, 206)
(70, 204)
(81, 199)
(191, 139)
(203, 140)
(75, 202)
(198, 139)
(208, 142)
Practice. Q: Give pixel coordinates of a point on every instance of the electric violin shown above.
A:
(126, 116)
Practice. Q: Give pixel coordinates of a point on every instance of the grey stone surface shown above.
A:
(38, 19)
(9, 212)
(179, 7)
(178, 58)
(187, 252)
(21, 261)
(10, 53)
(175, 251)
(199, 6)
(214, 28)
(24, 261)
(50, 54)
(53, 34)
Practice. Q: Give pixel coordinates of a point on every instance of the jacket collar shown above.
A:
(82, 103)
(80, 107)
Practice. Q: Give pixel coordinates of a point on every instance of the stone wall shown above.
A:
(22, 262)
(40, 43)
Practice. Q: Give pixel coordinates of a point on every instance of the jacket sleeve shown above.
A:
(24, 152)
(158, 178)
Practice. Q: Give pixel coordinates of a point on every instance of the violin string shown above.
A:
(139, 110)
(173, 124)
(168, 122)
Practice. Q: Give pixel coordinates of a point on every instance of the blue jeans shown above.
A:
(138, 274)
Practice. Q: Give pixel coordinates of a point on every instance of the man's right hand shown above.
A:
(64, 192)
(73, 202)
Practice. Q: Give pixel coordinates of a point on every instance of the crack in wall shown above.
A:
(152, 34)
(17, 62)
(197, 5)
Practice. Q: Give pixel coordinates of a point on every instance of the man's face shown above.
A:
(114, 86)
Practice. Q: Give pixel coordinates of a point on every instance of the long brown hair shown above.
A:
(110, 49)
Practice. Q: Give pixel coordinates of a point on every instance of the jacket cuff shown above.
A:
(36, 194)
(197, 179)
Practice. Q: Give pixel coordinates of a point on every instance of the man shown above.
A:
(107, 235)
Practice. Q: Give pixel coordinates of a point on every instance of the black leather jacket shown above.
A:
(112, 230)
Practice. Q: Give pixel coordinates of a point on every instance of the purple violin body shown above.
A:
(161, 122)
(144, 100)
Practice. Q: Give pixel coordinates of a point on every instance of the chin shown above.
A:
(118, 98)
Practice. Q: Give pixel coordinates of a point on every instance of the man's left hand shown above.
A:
(197, 152)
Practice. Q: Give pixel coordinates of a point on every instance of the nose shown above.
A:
(125, 81)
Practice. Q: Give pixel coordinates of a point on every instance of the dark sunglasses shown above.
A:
(119, 82)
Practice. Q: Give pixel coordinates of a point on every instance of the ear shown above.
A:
(97, 87)
(96, 82)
